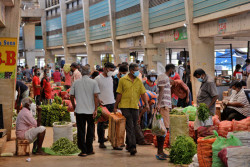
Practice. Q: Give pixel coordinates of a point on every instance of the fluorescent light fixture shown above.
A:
(185, 25)
(62, 46)
(110, 40)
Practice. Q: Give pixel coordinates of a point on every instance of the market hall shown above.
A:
(149, 82)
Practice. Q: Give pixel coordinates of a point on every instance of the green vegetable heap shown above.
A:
(177, 111)
(99, 113)
(64, 146)
(183, 150)
(58, 100)
(54, 113)
(203, 112)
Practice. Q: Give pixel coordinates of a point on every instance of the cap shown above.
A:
(152, 72)
(74, 65)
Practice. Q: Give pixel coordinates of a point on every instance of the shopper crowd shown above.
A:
(130, 88)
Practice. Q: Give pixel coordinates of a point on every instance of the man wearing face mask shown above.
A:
(75, 73)
(123, 70)
(106, 96)
(27, 128)
(150, 82)
(129, 90)
(164, 105)
(237, 107)
(36, 86)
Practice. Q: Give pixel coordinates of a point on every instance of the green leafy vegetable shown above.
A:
(183, 150)
(209, 137)
(58, 100)
(203, 112)
(64, 146)
(158, 116)
(99, 113)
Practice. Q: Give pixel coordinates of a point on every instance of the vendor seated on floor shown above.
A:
(237, 107)
(27, 128)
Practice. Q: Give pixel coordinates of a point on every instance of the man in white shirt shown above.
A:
(180, 69)
(85, 91)
(106, 96)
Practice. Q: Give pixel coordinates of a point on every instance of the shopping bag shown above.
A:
(158, 127)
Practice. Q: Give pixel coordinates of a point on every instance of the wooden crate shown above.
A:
(117, 124)
(22, 147)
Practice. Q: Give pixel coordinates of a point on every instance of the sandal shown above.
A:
(82, 155)
(160, 157)
(166, 155)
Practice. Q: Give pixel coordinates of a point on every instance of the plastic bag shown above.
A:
(158, 127)
(60, 131)
(198, 123)
(221, 143)
(223, 155)
(204, 151)
(191, 111)
(244, 137)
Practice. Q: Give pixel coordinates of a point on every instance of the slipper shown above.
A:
(82, 155)
(166, 155)
(160, 157)
(91, 153)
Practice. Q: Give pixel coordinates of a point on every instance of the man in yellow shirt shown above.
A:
(129, 91)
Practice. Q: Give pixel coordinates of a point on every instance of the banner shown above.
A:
(180, 33)
(8, 58)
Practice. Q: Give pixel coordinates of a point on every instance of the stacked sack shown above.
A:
(243, 125)
(205, 131)
(235, 156)
(225, 127)
(204, 151)
(244, 137)
(216, 120)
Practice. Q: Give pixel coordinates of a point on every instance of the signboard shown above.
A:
(8, 57)
(222, 26)
(180, 34)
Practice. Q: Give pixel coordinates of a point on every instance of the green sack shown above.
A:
(191, 111)
(221, 143)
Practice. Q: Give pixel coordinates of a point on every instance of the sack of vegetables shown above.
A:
(191, 111)
(102, 114)
(158, 127)
(178, 126)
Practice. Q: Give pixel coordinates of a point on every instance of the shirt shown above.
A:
(131, 92)
(36, 82)
(179, 89)
(176, 77)
(24, 122)
(76, 75)
(47, 88)
(241, 98)
(27, 73)
(207, 91)
(67, 79)
(163, 80)
(106, 88)
(22, 87)
(84, 89)
(152, 88)
(180, 71)
(151, 98)
(57, 76)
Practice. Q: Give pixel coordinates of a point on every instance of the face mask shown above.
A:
(142, 65)
(122, 75)
(109, 74)
(136, 74)
(200, 79)
(172, 75)
(152, 79)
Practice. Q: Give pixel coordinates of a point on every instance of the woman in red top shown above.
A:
(237, 70)
(36, 86)
(46, 89)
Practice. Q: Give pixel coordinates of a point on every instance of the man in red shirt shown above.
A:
(36, 86)
(57, 77)
(181, 90)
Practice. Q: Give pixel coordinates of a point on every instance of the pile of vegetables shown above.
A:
(99, 114)
(203, 112)
(191, 111)
(54, 113)
(66, 68)
(177, 111)
(58, 100)
(183, 150)
(64, 146)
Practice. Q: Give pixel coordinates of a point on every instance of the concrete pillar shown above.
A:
(29, 43)
(93, 57)
(150, 49)
(49, 57)
(201, 50)
(115, 44)
(8, 86)
(69, 58)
